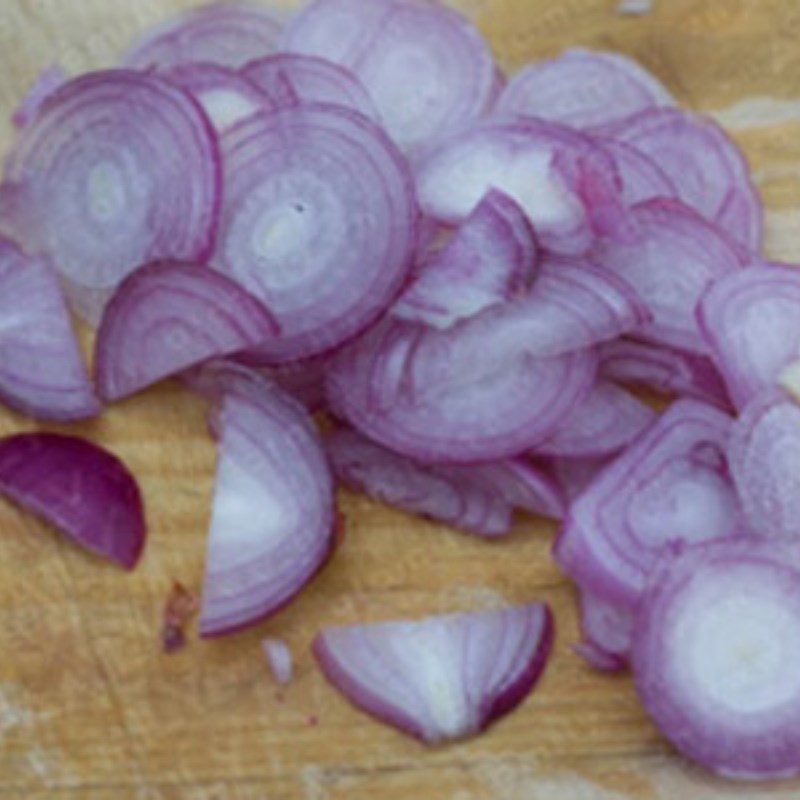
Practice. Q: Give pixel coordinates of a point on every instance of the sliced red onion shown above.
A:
(715, 654)
(671, 486)
(279, 658)
(664, 369)
(41, 370)
(751, 323)
(607, 421)
(765, 462)
(490, 259)
(273, 516)
(225, 95)
(670, 255)
(117, 169)
(227, 34)
(707, 168)
(288, 79)
(81, 489)
(607, 633)
(49, 79)
(574, 475)
(319, 223)
(442, 678)
(169, 316)
(419, 393)
(426, 67)
(642, 178)
(565, 181)
(583, 88)
(479, 499)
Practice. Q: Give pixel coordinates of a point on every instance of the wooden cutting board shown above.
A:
(89, 706)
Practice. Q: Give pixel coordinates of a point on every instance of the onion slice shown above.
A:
(607, 633)
(426, 67)
(671, 486)
(81, 489)
(489, 260)
(272, 520)
(169, 316)
(642, 177)
(117, 169)
(288, 79)
(582, 88)
(441, 678)
(716, 645)
(226, 34)
(319, 223)
(670, 256)
(41, 371)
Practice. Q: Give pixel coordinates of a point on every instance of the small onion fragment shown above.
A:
(750, 320)
(490, 259)
(117, 169)
(582, 88)
(81, 489)
(50, 79)
(607, 633)
(426, 66)
(226, 34)
(279, 658)
(574, 475)
(642, 177)
(169, 316)
(41, 371)
(715, 653)
(288, 79)
(670, 255)
(671, 486)
(319, 223)
(441, 678)
(272, 519)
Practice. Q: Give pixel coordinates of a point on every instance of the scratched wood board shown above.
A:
(89, 706)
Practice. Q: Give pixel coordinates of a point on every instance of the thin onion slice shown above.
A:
(319, 223)
(441, 678)
(489, 260)
(426, 66)
(606, 422)
(81, 489)
(664, 369)
(287, 79)
(642, 177)
(671, 486)
(751, 323)
(607, 633)
(715, 653)
(169, 316)
(41, 371)
(227, 34)
(273, 516)
(582, 88)
(566, 182)
(48, 80)
(279, 658)
(117, 169)
(670, 255)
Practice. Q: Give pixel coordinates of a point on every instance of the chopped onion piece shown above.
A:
(81, 489)
(442, 678)
(607, 633)
(642, 177)
(279, 658)
(574, 475)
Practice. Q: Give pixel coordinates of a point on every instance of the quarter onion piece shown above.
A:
(490, 259)
(117, 169)
(41, 371)
(81, 489)
(582, 88)
(670, 487)
(272, 519)
(169, 316)
(227, 34)
(716, 645)
(288, 79)
(479, 499)
(441, 678)
(426, 67)
(670, 255)
(319, 223)
(565, 181)
(750, 321)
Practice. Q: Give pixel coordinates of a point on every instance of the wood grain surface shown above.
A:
(89, 706)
